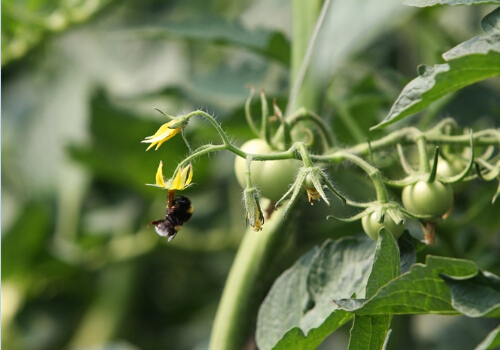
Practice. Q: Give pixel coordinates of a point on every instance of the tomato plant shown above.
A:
(272, 178)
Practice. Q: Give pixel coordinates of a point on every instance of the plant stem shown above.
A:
(244, 290)
(306, 25)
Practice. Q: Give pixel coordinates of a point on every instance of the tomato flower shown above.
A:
(164, 133)
(180, 181)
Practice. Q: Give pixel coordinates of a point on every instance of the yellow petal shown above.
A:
(182, 179)
(187, 172)
(160, 181)
(163, 134)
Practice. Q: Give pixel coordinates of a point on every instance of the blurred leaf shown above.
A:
(115, 345)
(478, 296)
(425, 3)
(24, 244)
(216, 30)
(46, 322)
(419, 291)
(26, 23)
(370, 332)
(472, 61)
(297, 309)
(491, 342)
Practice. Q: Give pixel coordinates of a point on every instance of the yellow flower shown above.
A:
(164, 133)
(181, 180)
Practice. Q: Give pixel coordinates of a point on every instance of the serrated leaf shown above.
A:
(370, 332)
(491, 342)
(297, 309)
(419, 291)
(426, 3)
(478, 296)
(216, 30)
(472, 61)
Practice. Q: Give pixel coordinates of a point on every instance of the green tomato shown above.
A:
(272, 178)
(308, 183)
(422, 198)
(451, 168)
(372, 226)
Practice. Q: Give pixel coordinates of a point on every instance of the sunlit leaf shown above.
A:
(478, 296)
(297, 310)
(371, 332)
(419, 291)
(472, 61)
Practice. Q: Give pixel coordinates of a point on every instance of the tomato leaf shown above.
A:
(471, 61)
(298, 310)
(425, 3)
(419, 291)
(491, 342)
(371, 332)
(386, 264)
(478, 296)
(408, 248)
(216, 30)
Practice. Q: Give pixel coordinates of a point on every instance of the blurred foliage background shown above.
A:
(80, 80)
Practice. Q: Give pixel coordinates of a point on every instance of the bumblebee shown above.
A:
(178, 212)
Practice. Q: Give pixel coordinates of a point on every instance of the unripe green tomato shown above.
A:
(308, 183)
(422, 198)
(273, 178)
(372, 226)
(451, 168)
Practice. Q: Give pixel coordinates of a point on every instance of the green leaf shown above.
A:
(491, 342)
(216, 30)
(296, 339)
(371, 332)
(386, 264)
(478, 296)
(472, 61)
(408, 248)
(425, 3)
(298, 310)
(23, 246)
(419, 291)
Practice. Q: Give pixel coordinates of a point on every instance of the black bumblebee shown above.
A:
(178, 212)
